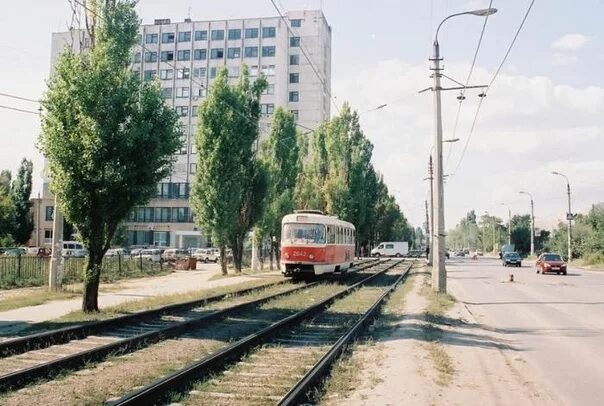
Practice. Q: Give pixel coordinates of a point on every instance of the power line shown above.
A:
(303, 50)
(12, 96)
(20, 110)
(528, 10)
(462, 92)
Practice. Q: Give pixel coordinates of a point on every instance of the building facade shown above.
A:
(295, 57)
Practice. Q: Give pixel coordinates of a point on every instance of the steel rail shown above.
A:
(158, 391)
(298, 393)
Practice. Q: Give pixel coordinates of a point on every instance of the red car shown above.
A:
(551, 263)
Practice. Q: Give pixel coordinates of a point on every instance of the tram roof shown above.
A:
(315, 218)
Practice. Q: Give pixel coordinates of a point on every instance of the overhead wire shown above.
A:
(12, 96)
(304, 52)
(19, 110)
(463, 91)
(526, 14)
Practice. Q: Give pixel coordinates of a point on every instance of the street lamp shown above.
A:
(439, 275)
(569, 215)
(381, 106)
(522, 192)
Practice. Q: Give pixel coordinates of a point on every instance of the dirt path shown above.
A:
(451, 361)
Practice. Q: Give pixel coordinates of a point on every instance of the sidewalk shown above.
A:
(13, 321)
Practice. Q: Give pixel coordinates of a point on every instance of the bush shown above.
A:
(596, 258)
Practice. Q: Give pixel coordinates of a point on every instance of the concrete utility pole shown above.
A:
(55, 275)
(569, 216)
(439, 276)
(509, 226)
(532, 221)
(428, 234)
(431, 179)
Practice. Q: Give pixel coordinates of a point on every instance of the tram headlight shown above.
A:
(286, 255)
(311, 256)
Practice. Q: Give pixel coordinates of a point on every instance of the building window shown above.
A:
(199, 72)
(182, 92)
(217, 53)
(200, 54)
(267, 109)
(193, 148)
(268, 51)
(234, 53)
(184, 36)
(234, 34)
(48, 213)
(184, 55)
(201, 35)
(182, 111)
(294, 59)
(167, 56)
(150, 56)
(294, 96)
(217, 35)
(183, 146)
(268, 32)
(296, 23)
(183, 73)
(48, 236)
(192, 168)
(270, 89)
(294, 41)
(151, 39)
(166, 74)
(251, 33)
(295, 113)
(268, 70)
(251, 52)
(254, 70)
(167, 38)
(194, 111)
(137, 57)
(166, 92)
(213, 72)
(149, 74)
(294, 78)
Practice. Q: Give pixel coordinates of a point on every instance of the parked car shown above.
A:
(74, 249)
(460, 254)
(479, 253)
(171, 254)
(153, 255)
(388, 249)
(14, 252)
(207, 254)
(511, 259)
(548, 262)
(115, 252)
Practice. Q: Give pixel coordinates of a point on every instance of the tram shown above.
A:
(315, 244)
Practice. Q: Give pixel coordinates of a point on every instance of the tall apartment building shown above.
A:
(185, 57)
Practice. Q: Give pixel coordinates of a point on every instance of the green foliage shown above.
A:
(109, 139)
(20, 194)
(587, 236)
(230, 184)
(340, 179)
(7, 210)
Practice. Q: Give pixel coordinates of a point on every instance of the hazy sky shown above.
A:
(544, 112)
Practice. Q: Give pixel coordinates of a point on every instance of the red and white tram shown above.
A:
(315, 244)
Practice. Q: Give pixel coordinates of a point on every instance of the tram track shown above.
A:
(44, 355)
(292, 331)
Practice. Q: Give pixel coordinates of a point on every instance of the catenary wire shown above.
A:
(463, 91)
(303, 50)
(20, 110)
(12, 96)
(526, 14)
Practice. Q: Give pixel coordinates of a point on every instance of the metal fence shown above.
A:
(28, 270)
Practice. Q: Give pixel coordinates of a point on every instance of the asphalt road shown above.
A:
(554, 322)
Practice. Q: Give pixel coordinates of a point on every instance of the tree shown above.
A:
(229, 187)
(7, 210)
(521, 233)
(20, 193)
(109, 138)
(281, 157)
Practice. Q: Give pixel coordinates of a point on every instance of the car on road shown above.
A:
(548, 262)
(207, 254)
(391, 249)
(511, 259)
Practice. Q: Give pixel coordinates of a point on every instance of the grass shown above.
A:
(434, 314)
(37, 297)
(592, 261)
(244, 272)
(146, 304)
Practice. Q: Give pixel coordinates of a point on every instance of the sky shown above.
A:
(543, 113)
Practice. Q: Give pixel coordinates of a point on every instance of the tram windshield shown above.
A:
(303, 233)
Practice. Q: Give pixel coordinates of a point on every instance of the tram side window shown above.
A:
(331, 235)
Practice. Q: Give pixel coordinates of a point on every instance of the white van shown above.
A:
(74, 249)
(391, 249)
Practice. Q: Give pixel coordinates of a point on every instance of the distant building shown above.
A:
(186, 56)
